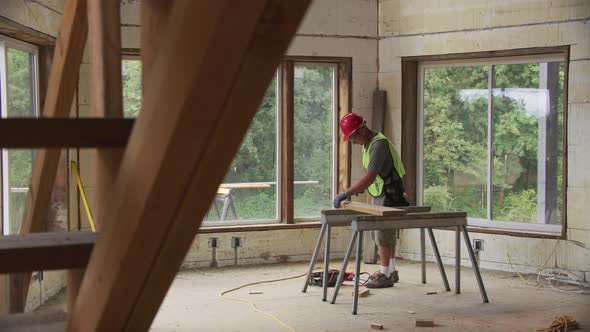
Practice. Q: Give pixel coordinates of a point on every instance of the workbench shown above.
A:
(415, 217)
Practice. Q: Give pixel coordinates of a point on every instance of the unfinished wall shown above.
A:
(430, 27)
(338, 28)
(41, 19)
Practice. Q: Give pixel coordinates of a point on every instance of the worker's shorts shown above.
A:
(385, 237)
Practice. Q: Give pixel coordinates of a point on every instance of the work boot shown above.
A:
(394, 276)
(379, 280)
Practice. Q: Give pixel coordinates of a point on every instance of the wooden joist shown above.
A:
(64, 133)
(199, 101)
(63, 80)
(375, 210)
(45, 251)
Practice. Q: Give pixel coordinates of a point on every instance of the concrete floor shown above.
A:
(194, 302)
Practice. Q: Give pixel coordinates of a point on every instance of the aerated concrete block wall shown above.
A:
(432, 27)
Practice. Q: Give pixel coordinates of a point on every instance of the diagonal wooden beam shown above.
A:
(58, 101)
(205, 86)
(106, 101)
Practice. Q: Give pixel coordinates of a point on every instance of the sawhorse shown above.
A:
(341, 217)
(416, 220)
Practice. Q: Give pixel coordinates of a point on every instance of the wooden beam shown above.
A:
(58, 101)
(375, 210)
(106, 92)
(64, 133)
(287, 145)
(45, 251)
(344, 107)
(200, 99)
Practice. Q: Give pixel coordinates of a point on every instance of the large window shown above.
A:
(19, 98)
(492, 141)
(252, 190)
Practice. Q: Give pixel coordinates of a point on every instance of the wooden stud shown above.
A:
(199, 103)
(375, 210)
(58, 101)
(424, 323)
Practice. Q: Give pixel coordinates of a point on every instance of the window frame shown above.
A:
(417, 65)
(8, 42)
(342, 93)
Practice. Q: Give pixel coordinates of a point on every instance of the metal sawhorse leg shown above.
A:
(357, 234)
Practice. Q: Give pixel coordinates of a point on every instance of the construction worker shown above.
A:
(383, 180)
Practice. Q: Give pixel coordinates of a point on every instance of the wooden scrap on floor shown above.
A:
(255, 292)
(375, 210)
(424, 323)
(431, 293)
(364, 292)
(376, 326)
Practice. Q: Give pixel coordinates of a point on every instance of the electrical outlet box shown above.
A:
(213, 242)
(478, 244)
(236, 242)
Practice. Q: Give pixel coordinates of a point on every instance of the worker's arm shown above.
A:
(362, 184)
(357, 188)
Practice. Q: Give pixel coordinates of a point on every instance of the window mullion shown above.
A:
(490, 178)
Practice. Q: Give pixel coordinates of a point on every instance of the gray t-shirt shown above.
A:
(380, 159)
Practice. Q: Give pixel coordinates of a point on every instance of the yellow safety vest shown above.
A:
(376, 188)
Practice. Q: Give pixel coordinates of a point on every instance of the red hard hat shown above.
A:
(350, 123)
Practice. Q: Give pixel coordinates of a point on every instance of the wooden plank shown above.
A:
(410, 127)
(379, 105)
(177, 157)
(45, 251)
(287, 142)
(58, 101)
(64, 133)
(408, 222)
(375, 210)
(416, 216)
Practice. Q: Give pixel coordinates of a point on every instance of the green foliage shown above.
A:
(131, 80)
(455, 142)
(520, 206)
(21, 103)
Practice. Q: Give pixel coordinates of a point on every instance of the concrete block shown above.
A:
(130, 37)
(32, 14)
(364, 84)
(576, 34)
(578, 161)
(433, 16)
(83, 85)
(578, 122)
(578, 208)
(391, 83)
(362, 51)
(579, 82)
(130, 12)
(389, 17)
(341, 17)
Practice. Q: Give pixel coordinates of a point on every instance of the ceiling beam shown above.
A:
(213, 66)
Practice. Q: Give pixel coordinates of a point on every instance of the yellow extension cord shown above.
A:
(83, 194)
(91, 220)
(252, 302)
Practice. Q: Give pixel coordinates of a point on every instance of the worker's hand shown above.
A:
(339, 198)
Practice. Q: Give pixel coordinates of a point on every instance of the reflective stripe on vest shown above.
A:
(376, 188)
